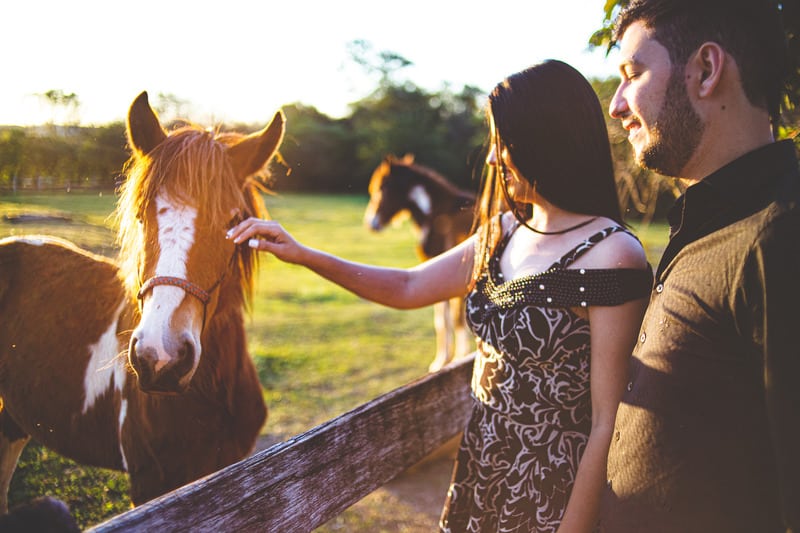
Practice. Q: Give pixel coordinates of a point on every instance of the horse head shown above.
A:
(391, 191)
(183, 190)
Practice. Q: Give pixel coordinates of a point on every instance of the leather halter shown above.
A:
(204, 295)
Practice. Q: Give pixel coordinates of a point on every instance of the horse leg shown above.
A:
(12, 442)
(464, 341)
(442, 322)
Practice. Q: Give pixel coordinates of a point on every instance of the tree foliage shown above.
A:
(44, 158)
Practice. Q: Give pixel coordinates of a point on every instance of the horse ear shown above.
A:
(255, 150)
(144, 129)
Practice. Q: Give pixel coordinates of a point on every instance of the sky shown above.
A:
(241, 60)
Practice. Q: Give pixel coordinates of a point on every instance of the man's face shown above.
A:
(653, 105)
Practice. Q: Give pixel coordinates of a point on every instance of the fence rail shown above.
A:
(300, 484)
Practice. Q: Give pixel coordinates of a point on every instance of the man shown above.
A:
(707, 436)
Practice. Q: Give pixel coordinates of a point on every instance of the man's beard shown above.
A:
(676, 132)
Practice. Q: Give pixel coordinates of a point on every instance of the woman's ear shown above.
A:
(705, 68)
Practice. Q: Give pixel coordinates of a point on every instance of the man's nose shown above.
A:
(618, 107)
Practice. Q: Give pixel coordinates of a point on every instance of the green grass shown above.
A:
(319, 350)
(90, 226)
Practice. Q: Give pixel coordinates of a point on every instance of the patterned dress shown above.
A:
(532, 404)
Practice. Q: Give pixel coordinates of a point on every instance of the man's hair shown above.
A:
(749, 30)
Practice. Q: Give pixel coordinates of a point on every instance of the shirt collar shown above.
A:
(740, 182)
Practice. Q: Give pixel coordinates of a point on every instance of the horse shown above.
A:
(140, 364)
(443, 215)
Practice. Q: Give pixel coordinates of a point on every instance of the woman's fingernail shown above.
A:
(253, 243)
(228, 234)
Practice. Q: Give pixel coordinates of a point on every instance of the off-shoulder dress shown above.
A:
(531, 418)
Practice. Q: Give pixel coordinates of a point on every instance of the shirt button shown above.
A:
(616, 436)
(608, 483)
(630, 386)
(660, 288)
(642, 337)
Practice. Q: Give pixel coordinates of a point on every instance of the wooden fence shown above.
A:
(300, 484)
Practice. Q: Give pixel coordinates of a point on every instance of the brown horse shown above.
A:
(443, 215)
(186, 401)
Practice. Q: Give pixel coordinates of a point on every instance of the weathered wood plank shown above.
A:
(300, 484)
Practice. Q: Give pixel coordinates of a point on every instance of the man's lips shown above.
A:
(630, 124)
(632, 127)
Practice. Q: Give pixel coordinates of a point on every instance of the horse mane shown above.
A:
(192, 167)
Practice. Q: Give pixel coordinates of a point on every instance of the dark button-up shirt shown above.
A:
(707, 436)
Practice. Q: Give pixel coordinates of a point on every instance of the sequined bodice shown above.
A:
(531, 341)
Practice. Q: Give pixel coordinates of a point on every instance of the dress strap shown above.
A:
(570, 257)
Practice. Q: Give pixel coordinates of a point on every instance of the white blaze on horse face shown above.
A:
(175, 239)
(105, 368)
(420, 197)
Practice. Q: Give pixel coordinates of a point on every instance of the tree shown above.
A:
(443, 129)
(171, 107)
(12, 141)
(385, 63)
(317, 153)
(58, 101)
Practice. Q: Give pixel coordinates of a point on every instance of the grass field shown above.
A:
(319, 350)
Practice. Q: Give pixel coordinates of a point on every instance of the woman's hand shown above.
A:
(267, 236)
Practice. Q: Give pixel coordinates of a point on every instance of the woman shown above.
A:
(555, 285)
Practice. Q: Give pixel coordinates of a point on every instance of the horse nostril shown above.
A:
(186, 352)
(185, 360)
(142, 364)
(133, 359)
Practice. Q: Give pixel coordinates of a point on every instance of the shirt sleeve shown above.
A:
(775, 272)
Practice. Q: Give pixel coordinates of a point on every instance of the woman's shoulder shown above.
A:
(621, 249)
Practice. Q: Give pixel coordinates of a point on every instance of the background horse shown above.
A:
(443, 215)
(186, 401)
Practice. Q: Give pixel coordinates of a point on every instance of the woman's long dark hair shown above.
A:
(551, 122)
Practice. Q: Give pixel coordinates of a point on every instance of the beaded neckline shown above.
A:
(496, 278)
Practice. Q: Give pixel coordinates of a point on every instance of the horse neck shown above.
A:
(443, 200)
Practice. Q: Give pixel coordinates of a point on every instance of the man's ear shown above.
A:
(705, 69)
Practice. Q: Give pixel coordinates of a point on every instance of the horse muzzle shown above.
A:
(158, 373)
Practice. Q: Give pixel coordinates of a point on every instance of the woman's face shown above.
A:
(519, 189)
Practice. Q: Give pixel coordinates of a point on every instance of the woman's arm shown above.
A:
(442, 277)
(613, 333)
